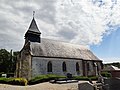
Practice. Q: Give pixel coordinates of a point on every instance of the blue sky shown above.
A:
(109, 48)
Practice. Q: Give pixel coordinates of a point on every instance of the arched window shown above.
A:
(77, 67)
(64, 67)
(49, 66)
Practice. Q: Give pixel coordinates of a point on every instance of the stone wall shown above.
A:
(39, 66)
(28, 66)
(23, 65)
(91, 70)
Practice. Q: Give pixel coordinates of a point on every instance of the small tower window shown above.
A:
(49, 66)
(64, 67)
(77, 67)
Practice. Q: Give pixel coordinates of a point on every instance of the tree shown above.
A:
(117, 64)
(14, 59)
(8, 61)
(4, 60)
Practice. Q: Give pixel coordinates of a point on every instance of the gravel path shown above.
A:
(41, 86)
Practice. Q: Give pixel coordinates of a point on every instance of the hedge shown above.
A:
(106, 74)
(85, 78)
(41, 78)
(44, 78)
(14, 81)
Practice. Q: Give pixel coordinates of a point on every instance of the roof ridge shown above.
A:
(85, 47)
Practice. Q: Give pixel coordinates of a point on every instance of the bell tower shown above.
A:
(33, 33)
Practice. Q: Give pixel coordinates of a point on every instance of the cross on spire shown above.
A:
(33, 14)
(33, 26)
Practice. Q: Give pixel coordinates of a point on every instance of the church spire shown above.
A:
(33, 26)
(33, 33)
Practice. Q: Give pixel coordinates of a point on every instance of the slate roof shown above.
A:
(33, 27)
(52, 48)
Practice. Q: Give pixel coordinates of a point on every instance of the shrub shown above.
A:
(85, 78)
(14, 81)
(4, 80)
(19, 81)
(106, 74)
(93, 77)
(53, 76)
(80, 78)
(44, 78)
(38, 79)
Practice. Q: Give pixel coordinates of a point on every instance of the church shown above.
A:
(41, 56)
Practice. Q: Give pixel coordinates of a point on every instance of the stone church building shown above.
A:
(45, 56)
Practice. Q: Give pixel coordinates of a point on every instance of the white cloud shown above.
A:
(77, 21)
(91, 19)
(111, 60)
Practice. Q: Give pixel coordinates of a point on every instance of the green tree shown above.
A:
(8, 61)
(117, 64)
(14, 59)
(4, 60)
